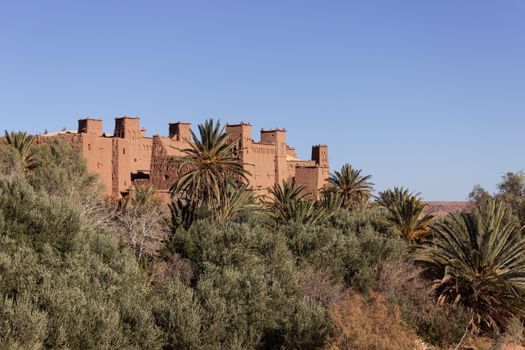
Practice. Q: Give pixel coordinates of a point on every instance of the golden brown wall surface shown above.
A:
(271, 161)
(127, 156)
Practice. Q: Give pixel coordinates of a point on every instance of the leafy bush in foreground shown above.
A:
(178, 313)
(64, 287)
(247, 286)
(60, 170)
(354, 254)
(10, 161)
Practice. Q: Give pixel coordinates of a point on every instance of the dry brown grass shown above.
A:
(318, 286)
(176, 267)
(371, 324)
(402, 283)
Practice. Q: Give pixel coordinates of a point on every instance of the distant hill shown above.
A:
(444, 208)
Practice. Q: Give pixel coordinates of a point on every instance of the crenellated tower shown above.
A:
(320, 155)
(180, 131)
(242, 132)
(128, 128)
(278, 138)
(90, 126)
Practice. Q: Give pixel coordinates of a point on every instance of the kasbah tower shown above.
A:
(128, 157)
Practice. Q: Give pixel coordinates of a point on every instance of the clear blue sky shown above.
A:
(425, 94)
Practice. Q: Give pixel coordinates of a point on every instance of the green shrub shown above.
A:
(60, 170)
(246, 282)
(304, 241)
(357, 220)
(445, 326)
(178, 313)
(246, 277)
(89, 293)
(355, 258)
(35, 218)
(365, 256)
(309, 325)
(10, 162)
(22, 325)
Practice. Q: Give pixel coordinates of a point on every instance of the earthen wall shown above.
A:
(263, 166)
(128, 156)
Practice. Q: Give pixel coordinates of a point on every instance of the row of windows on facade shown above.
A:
(263, 151)
(145, 147)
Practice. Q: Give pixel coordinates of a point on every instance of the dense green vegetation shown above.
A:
(221, 269)
(405, 214)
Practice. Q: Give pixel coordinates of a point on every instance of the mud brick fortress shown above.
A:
(128, 157)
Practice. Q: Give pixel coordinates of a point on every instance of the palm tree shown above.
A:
(354, 188)
(212, 162)
(139, 196)
(23, 142)
(290, 204)
(183, 214)
(144, 195)
(234, 200)
(282, 200)
(405, 214)
(477, 259)
(331, 201)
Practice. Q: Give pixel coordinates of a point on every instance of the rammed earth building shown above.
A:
(128, 156)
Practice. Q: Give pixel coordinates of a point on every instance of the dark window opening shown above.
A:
(139, 176)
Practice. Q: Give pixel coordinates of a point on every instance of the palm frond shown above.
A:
(355, 189)
(209, 161)
(23, 143)
(478, 259)
(289, 203)
(234, 201)
(405, 214)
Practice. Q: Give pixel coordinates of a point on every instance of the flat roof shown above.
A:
(239, 124)
(96, 119)
(126, 117)
(273, 130)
